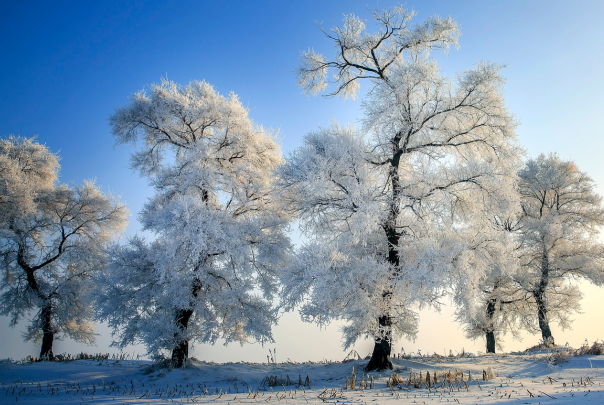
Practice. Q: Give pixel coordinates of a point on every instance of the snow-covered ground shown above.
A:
(519, 379)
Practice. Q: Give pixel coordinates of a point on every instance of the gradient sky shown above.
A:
(66, 65)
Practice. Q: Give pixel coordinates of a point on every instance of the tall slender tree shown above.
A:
(211, 271)
(562, 215)
(52, 240)
(380, 201)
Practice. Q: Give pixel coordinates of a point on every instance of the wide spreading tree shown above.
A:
(52, 240)
(561, 217)
(211, 270)
(381, 206)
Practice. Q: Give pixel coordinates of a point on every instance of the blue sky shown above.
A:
(66, 65)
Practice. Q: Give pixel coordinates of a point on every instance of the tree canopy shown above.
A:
(381, 204)
(52, 241)
(561, 218)
(219, 234)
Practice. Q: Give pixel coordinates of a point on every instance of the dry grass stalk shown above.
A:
(596, 349)
(364, 383)
(351, 356)
(394, 380)
(431, 379)
(352, 382)
(542, 345)
(274, 381)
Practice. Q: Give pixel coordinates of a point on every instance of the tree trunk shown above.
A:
(490, 335)
(48, 333)
(490, 332)
(180, 353)
(540, 299)
(546, 332)
(380, 358)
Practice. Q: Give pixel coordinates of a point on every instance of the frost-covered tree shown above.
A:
(489, 302)
(51, 243)
(211, 271)
(562, 214)
(379, 205)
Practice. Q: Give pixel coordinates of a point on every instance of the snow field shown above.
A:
(519, 379)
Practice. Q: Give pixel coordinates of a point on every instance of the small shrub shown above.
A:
(542, 345)
(558, 357)
(597, 348)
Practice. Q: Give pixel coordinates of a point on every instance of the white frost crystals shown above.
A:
(561, 217)
(52, 241)
(211, 271)
(389, 200)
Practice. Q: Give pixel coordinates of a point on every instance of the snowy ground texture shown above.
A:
(535, 378)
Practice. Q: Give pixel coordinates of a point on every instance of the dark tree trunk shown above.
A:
(540, 299)
(181, 352)
(490, 332)
(546, 332)
(48, 333)
(490, 335)
(380, 358)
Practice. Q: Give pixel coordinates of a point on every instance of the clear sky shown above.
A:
(66, 65)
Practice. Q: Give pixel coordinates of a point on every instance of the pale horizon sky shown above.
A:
(67, 65)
